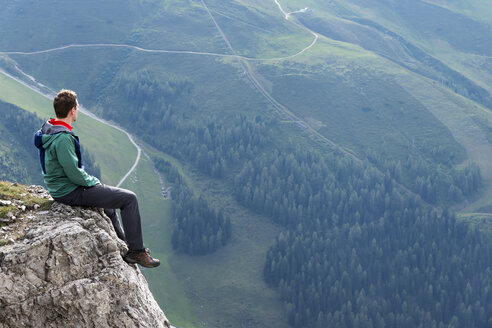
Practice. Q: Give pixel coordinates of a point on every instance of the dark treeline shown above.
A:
(215, 148)
(446, 184)
(150, 101)
(413, 270)
(211, 147)
(302, 187)
(20, 123)
(198, 229)
(18, 158)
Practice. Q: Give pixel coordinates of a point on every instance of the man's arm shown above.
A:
(65, 151)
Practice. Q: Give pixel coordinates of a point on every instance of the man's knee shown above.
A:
(129, 196)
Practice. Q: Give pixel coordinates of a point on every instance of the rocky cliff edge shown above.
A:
(61, 266)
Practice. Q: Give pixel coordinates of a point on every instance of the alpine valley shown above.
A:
(308, 163)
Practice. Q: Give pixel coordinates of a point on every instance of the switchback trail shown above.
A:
(186, 52)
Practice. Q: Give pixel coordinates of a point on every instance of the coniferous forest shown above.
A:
(389, 261)
(199, 229)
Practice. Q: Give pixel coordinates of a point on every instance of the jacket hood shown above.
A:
(48, 133)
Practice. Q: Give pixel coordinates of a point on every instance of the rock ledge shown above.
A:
(62, 267)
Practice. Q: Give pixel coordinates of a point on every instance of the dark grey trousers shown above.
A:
(111, 198)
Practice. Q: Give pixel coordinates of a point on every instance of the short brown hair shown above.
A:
(63, 103)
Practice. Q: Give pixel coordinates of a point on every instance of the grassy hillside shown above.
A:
(478, 9)
(353, 117)
(445, 36)
(80, 22)
(165, 282)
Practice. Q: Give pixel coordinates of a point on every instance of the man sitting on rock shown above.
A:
(69, 184)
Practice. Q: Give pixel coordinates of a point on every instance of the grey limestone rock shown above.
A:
(63, 268)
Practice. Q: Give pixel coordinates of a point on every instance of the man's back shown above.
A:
(62, 165)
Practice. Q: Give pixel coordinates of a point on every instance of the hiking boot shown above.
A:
(141, 257)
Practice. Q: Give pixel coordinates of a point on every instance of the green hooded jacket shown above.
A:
(63, 171)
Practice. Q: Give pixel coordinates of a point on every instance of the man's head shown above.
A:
(65, 101)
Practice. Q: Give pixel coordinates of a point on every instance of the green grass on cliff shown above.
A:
(10, 191)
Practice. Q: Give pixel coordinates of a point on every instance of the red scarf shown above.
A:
(54, 121)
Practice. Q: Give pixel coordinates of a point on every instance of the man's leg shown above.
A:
(110, 198)
(111, 213)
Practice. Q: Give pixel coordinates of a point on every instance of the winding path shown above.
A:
(128, 46)
(247, 69)
(284, 110)
(130, 137)
(37, 86)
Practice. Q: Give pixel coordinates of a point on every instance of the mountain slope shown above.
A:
(376, 83)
